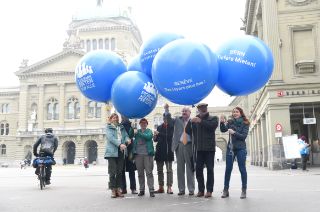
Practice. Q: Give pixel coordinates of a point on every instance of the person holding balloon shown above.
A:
(117, 141)
(164, 155)
(182, 146)
(144, 152)
(202, 130)
(237, 127)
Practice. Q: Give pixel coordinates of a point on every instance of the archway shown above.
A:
(222, 144)
(91, 150)
(69, 152)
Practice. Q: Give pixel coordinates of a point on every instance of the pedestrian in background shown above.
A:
(237, 127)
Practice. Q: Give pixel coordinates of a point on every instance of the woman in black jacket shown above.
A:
(164, 155)
(238, 128)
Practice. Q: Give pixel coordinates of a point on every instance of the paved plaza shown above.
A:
(75, 189)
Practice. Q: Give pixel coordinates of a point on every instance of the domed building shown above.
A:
(48, 96)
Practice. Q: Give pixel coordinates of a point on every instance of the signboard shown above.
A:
(278, 134)
(309, 121)
(278, 127)
(291, 147)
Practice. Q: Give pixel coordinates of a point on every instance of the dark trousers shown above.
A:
(115, 167)
(48, 171)
(304, 159)
(207, 158)
(241, 159)
(132, 176)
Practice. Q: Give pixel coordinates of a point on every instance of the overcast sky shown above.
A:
(36, 29)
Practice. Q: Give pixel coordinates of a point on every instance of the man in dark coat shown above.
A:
(129, 166)
(164, 154)
(202, 130)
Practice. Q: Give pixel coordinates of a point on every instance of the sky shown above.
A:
(36, 29)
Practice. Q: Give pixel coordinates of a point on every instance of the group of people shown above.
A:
(191, 139)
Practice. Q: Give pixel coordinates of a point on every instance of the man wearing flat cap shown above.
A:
(202, 131)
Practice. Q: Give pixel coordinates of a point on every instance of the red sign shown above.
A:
(280, 93)
(278, 127)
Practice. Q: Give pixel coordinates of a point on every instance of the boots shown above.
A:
(225, 193)
(160, 190)
(243, 194)
(114, 193)
(118, 193)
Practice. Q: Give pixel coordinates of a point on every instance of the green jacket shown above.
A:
(147, 136)
(113, 142)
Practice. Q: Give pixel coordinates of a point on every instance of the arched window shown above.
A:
(94, 44)
(106, 43)
(88, 45)
(4, 128)
(94, 109)
(113, 43)
(73, 108)
(53, 109)
(3, 149)
(100, 43)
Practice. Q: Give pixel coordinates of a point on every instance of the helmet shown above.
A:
(48, 130)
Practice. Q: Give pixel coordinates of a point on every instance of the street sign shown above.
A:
(278, 127)
(309, 121)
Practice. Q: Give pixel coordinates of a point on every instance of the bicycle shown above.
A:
(41, 163)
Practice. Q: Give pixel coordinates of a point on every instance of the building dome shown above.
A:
(110, 9)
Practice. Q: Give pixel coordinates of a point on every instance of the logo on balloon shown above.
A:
(84, 82)
(148, 94)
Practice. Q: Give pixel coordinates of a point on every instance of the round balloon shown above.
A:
(135, 65)
(133, 94)
(151, 47)
(96, 72)
(245, 65)
(185, 72)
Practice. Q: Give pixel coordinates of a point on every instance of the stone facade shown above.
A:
(291, 29)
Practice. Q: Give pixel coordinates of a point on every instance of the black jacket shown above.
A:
(239, 138)
(164, 143)
(203, 133)
(48, 145)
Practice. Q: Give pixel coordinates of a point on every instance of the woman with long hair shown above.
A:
(117, 141)
(237, 127)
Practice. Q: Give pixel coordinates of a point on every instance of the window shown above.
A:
(4, 128)
(5, 108)
(88, 45)
(100, 43)
(106, 43)
(157, 120)
(53, 109)
(3, 149)
(94, 44)
(73, 108)
(94, 109)
(113, 43)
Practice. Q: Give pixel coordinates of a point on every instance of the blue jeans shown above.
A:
(241, 155)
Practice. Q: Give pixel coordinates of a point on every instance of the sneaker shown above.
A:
(225, 194)
(152, 194)
(141, 193)
(208, 195)
(243, 194)
(48, 182)
(181, 193)
(134, 191)
(200, 194)
(191, 193)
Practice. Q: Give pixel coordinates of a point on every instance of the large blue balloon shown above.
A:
(135, 65)
(133, 94)
(151, 47)
(245, 65)
(185, 72)
(96, 72)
